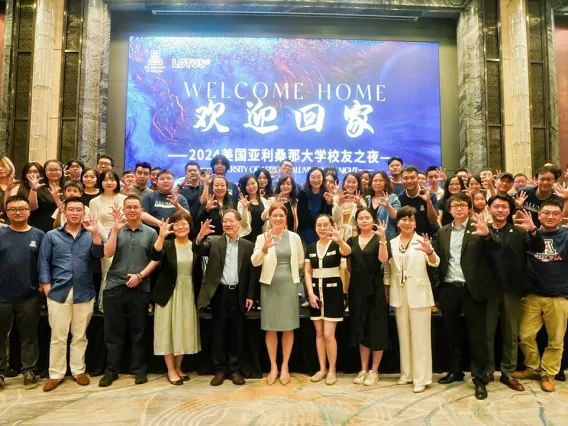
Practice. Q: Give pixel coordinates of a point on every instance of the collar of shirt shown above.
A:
(230, 241)
(63, 228)
(138, 228)
(410, 196)
(462, 226)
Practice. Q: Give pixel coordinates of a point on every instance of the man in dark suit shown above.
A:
(466, 284)
(228, 286)
(509, 266)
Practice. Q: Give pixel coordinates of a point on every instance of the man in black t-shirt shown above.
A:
(191, 189)
(422, 199)
(19, 287)
(530, 198)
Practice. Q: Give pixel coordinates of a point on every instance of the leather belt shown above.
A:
(455, 283)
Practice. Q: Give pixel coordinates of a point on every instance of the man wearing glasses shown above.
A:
(531, 198)
(127, 291)
(19, 287)
(547, 302)
(467, 284)
(104, 162)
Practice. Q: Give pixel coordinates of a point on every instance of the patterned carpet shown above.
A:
(299, 403)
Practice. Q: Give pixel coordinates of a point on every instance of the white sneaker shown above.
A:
(361, 376)
(418, 389)
(371, 379)
(402, 381)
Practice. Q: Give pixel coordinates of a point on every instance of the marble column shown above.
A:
(471, 80)
(94, 80)
(46, 81)
(516, 86)
(552, 84)
(6, 81)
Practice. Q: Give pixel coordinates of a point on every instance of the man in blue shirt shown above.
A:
(19, 287)
(548, 302)
(66, 277)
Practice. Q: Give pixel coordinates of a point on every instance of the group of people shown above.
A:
(489, 246)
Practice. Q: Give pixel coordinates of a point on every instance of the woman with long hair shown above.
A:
(313, 200)
(48, 195)
(281, 255)
(346, 204)
(251, 206)
(325, 293)
(217, 202)
(365, 176)
(383, 201)
(7, 182)
(264, 183)
(89, 179)
(286, 193)
(368, 310)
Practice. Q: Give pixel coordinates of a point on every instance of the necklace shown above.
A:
(405, 248)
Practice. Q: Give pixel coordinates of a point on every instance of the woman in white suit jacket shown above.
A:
(410, 293)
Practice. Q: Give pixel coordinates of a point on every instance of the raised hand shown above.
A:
(206, 228)
(268, 242)
(173, 198)
(314, 301)
(35, 183)
(165, 229)
(244, 201)
(384, 200)
(425, 244)
(92, 228)
(55, 191)
(357, 198)
(207, 177)
(379, 229)
(520, 199)
(262, 192)
(426, 195)
(211, 203)
(282, 198)
(523, 220)
(66, 171)
(481, 227)
(442, 174)
(343, 196)
(335, 235)
(562, 191)
(119, 219)
(12, 183)
(125, 188)
(328, 197)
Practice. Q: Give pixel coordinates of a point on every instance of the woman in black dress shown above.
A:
(368, 309)
(251, 206)
(325, 292)
(218, 201)
(41, 218)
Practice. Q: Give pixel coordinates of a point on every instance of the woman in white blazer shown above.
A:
(409, 291)
(281, 255)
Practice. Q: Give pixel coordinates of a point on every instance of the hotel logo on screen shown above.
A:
(155, 63)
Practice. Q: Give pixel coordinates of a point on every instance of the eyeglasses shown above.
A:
(459, 206)
(323, 225)
(545, 179)
(77, 210)
(53, 170)
(229, 222)
(132, 207)
(17, 209)
(547, 213)
(178, 225)
(104, 163)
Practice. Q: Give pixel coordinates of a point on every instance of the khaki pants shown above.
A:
(62, 318)
(553, 312)
(414, 338)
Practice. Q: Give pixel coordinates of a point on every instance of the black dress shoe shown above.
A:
(450, 378)
(561, 376)
(480, 390)
(175, 382)
(237, 378)
(184, 378)
(140, 378)
(218, 379)
(107, 379)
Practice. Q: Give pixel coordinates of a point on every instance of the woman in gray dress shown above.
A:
(281, 255)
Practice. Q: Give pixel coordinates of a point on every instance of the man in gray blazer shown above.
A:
(228, 286)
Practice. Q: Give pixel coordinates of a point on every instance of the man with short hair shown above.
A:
(511, 280)
(421, 178)
(464, 175)
(502, 186)
(287, 170)
(154, 177)
(467, 284)
(486, 175)
(127, 291)
(66, 278)
(72, 188)
(520, 181)
(19, 287)
(433, 177)
(142, 172)
(161, 204)
(531, 198)
(104, 162)
(191, 188)
(422, 199)
(228, 286)
(395, 169)
(547, 302)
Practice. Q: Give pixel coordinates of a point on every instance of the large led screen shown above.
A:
(351, 104)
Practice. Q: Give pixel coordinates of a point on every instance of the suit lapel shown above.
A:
(240, 256)
(173, 255)
(468, 235)
(445, 237)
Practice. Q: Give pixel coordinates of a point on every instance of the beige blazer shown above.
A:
(337, 215)
(269, 260)
(418, 287)
(245, 228)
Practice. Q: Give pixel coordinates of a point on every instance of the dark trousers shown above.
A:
(452, 301)
(26, 316)
(227, 324)
(125, 308)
